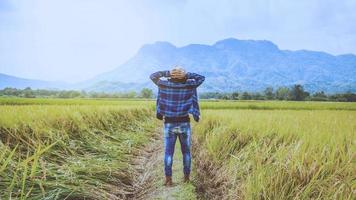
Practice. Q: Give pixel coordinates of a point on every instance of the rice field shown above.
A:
(82, 148)
(69, 152)
(278, 154)
(204, 104)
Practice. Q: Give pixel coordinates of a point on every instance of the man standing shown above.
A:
(177, 97)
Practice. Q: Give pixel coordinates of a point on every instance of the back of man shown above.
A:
(176, 99)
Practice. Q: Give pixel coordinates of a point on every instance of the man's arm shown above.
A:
(194, 79)
(156, 77)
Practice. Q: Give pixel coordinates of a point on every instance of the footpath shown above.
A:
(149, 174)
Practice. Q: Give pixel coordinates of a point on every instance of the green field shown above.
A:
(204, 104)
(83, 148)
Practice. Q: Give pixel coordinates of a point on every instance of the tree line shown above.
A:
(33, 93)
(294, 93)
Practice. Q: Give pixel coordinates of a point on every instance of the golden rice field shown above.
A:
(82, 148)
(279, 154)
(68, 151)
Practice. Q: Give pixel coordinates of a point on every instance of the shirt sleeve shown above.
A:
(156, 77)
(194, 79)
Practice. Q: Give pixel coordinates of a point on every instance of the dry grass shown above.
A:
(277, 154)
(76, 149)
(73, 152)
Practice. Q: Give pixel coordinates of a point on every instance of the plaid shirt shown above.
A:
(177, 99)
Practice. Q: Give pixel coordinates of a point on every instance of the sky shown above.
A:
(73, 40)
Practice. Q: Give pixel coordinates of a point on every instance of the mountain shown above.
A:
(232, 64)
(228, 65)
(21, 83)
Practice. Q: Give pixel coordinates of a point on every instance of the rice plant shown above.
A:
(69, 152)
(82, 148)
(284, 154)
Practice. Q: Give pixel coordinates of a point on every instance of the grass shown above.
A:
(279, 154)
(73, 152)
(81, 148)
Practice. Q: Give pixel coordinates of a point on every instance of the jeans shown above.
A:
(182, 130)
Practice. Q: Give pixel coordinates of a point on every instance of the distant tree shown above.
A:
(257, 96)
(235, 95)
(93, 95)
(225, 96)
(297, 93)
(245, 96)
(269, 94)
(63, 94)
(209, 95)
(11, 91)
(28, 93)
(337, 97)
(83, 94)
(350, 97)
(146, 93)
(74, 94)
(131, 94)
(282, 93)
(319, 96)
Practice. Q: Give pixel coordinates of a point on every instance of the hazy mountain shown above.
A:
(233, 64)
(228, 65)
(21, 83)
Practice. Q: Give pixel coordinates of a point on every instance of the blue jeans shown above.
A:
(182, 130)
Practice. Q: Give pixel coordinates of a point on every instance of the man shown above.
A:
(177, 97)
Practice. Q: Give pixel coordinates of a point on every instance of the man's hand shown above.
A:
(178, 73)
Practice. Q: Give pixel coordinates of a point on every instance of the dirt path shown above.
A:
(149, 175)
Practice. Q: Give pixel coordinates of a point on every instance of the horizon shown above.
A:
(39, 42)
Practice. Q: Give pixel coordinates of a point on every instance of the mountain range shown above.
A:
(228, 65)
(21, 83)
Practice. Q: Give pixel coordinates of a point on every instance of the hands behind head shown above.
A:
(178, 73)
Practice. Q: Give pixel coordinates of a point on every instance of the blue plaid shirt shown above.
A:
(177, 99)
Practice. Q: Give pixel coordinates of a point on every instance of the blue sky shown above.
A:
(72, 40)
